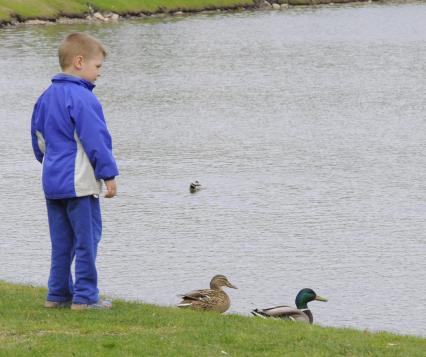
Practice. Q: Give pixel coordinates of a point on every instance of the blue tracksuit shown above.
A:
(71, 140)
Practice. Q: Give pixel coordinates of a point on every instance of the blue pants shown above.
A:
(75, 230)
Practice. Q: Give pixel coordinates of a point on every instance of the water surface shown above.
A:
(307, 128)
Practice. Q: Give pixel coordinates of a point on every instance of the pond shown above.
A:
(306, 128)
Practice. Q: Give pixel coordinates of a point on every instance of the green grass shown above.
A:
(42, 9)
(51, 9)
(133, 329)
(137, 6)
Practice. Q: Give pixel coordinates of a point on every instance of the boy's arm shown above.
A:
(93, 133)
(36, 137)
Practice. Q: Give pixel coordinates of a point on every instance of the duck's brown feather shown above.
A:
(206, 299)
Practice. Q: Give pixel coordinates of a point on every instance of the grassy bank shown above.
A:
(52, 9)
(22, 10)
(132, 329)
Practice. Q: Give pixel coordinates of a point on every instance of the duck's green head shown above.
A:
(306, 295)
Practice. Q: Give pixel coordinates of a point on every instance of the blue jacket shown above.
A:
(70, 138)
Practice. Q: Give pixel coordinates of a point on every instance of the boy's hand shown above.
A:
(111, 187)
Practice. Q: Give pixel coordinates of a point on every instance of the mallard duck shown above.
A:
(213, 299)
(302, 313)
(194, 187)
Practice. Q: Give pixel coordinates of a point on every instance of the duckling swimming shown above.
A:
(194, 187)
(213, 299)
(301, 313)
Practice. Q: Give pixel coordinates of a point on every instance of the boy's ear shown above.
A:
(78, 62)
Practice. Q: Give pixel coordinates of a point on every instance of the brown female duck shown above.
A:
(213, 299)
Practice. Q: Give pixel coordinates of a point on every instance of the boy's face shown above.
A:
(89, 68)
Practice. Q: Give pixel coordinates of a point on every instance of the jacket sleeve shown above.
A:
(36, 136)
(91, 129)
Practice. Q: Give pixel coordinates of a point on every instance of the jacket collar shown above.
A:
(62, 77)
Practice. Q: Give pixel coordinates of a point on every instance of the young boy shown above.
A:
(71, 140)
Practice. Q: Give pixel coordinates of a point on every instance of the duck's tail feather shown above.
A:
(183, 305)
(259, 313)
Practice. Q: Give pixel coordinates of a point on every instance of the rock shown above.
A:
(67, 20)
(36, 22)
(266, 5)
(178, 13)
(284, 6)
(99, 16)
(115, 17)
(276, 6)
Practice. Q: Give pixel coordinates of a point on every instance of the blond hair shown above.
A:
(78, 44)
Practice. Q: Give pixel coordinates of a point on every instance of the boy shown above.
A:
(71, 140)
